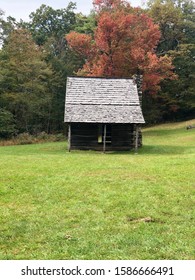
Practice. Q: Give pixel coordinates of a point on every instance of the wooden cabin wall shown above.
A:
(84, 136)
(122, 137)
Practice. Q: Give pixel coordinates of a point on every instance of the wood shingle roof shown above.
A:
(102, 100)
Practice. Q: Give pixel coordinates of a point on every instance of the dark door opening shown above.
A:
(102, 131)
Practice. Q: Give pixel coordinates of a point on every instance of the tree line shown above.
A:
(115, 39)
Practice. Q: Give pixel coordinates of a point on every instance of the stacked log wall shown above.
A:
(85, 137)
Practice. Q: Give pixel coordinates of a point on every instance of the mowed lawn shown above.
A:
(90, 205)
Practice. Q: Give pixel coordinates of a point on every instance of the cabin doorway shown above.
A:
(105, 132)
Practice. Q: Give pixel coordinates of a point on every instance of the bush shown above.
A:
(43, 136)
(59, 137)
(24, 138)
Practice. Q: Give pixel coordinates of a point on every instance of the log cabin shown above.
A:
(103, 114)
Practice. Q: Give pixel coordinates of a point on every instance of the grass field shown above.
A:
(90, 205)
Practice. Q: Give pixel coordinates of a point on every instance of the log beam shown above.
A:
(69, 137)
(136, 138)
(104, 139)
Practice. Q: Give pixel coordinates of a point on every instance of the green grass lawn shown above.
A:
(90, 205)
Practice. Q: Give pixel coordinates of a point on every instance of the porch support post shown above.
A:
(136, 138)
(104, 140)
(69, 137)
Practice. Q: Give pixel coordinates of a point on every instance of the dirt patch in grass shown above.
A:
(143, 220)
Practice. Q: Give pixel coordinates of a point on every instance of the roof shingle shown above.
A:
(102, 100)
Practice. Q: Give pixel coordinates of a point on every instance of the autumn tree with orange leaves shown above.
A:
(124, 43)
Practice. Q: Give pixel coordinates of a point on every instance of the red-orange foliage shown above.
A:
(81, 43)
(124, 44)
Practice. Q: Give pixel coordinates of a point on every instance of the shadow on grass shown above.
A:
(157, 150)
(162, 132)
(163, 150)
(167, 132)
(61, 148)
(145, 150)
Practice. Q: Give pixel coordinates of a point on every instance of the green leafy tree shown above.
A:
(178, 96)
(170, 20)
(86, 24)
(176, 18)
(48, 28)
(24, 82)
(47, 22)
(7, 124)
